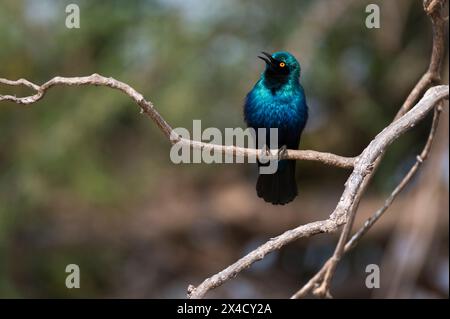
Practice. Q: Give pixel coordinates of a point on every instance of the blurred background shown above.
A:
(85, 179)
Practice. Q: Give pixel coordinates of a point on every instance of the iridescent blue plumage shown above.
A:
(278, 101)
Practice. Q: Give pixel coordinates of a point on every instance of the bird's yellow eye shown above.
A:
(282, 64)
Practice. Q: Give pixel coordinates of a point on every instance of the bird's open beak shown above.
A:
(268, 58)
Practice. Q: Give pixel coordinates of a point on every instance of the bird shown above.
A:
(278, 100)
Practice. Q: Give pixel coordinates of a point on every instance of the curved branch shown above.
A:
(362, 164)
(434, 9)
(148, 108)
(327, 267)
(339, 216)
(399, 188)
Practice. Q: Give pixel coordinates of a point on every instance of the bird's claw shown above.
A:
(282, 152)
(265, 151)
(264, 154)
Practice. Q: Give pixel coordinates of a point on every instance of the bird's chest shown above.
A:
(276, 110)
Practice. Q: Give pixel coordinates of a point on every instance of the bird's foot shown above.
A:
(264, 154)
(282, 152)
(265, 151)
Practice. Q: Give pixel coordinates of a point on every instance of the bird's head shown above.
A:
(281, 66)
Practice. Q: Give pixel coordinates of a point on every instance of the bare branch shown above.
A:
(329, 267)
(434, 9)
(148, 108)
(363, 165)
(340, 214)
(408, 177)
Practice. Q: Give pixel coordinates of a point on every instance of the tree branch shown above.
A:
(434, 9)
(332, 262)
(363, 165)
(399, 188)
(340, 215)
(148, 108)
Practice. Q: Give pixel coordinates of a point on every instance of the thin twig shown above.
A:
(433, 8)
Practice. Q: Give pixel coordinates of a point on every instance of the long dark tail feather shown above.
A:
(279, 188)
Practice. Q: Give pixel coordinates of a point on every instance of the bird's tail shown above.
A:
(280, 187)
